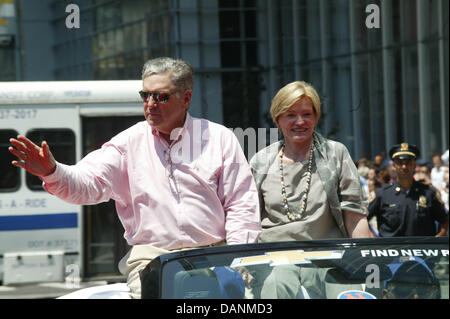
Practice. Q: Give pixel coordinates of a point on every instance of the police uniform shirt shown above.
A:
(411, 213)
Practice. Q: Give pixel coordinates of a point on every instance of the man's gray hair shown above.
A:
(182, 72)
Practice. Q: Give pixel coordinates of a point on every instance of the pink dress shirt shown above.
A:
(195, 192)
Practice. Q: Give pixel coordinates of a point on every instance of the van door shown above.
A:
(103, 232)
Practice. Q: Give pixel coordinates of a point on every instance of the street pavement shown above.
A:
(47, 290)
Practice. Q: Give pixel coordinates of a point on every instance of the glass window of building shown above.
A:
(240, 71)
(379, 86)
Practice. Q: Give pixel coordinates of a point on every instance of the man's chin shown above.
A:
(153, 122)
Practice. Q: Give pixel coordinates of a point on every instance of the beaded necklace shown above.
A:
(290, 215)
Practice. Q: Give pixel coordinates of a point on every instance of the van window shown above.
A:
(62, 146)
(9, 174)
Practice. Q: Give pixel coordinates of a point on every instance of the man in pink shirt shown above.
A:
(178, 182)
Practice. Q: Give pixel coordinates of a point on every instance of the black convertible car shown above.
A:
(376, 268)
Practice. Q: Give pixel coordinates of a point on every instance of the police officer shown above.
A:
(407, 207)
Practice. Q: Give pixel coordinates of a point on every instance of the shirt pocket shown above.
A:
(422, 214)
(205, 174)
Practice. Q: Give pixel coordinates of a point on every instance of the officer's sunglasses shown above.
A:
(159, 97)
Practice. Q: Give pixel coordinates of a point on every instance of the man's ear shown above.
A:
(187, 96)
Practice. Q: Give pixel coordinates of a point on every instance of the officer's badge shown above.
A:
(423, 201)
(404, 147)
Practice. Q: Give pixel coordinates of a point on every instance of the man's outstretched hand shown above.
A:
(37, 160)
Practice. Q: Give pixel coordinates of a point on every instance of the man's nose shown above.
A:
(151, 103)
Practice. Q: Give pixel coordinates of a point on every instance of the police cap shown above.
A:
(404, 150)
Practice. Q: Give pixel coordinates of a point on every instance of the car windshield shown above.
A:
(384, 270)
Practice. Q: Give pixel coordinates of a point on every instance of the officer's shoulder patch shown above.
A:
(438, 197)
(372, 196)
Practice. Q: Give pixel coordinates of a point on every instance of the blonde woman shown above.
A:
(309, 187)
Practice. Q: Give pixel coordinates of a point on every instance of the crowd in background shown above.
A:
(379, 171)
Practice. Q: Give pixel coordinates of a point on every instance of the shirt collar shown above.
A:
(320, 144)
(180, 131)
(399, 189)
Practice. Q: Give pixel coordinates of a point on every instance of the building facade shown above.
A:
(8, 46)
(380, 66)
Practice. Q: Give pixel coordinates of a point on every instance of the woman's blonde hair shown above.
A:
(291, 94)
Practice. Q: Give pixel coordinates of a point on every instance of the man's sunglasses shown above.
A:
(159, 97)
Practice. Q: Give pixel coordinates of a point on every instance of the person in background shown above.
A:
(382, 175)
(391, 170)
(372, 174)
(363, 162)
(378, 160)
(363, 172)
(444, 158)
(437, 172)
(407, 207)
(422, 172)
(443, 188)
(373, 185)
